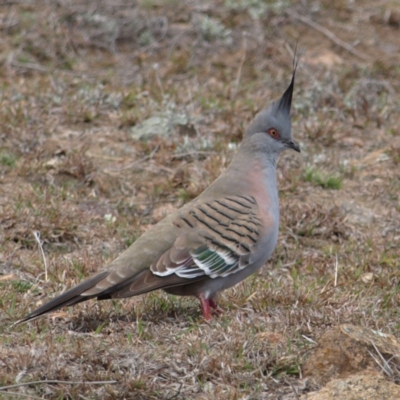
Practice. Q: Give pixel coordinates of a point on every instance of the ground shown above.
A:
(115, 113)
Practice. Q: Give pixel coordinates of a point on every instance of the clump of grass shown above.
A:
(326, 181)
(7, 159)
(212, 29)
(183, 195)
(21, 286)
(130, 240)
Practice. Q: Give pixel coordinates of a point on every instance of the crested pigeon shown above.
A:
(213, 242)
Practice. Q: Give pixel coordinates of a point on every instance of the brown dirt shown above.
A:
(348, 350)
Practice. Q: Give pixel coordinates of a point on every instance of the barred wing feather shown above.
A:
(217, 239)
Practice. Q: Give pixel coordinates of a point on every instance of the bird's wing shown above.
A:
(218, 238)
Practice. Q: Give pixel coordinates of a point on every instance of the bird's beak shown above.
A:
(293, 145)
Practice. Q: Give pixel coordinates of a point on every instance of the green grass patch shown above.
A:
(7, 159)
(21, 286)
(326, 181)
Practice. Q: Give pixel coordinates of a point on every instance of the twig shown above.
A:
(36, 234)
(289, 49)
(158, 80)
(131, 165)
(57, 381)
(32, 66)
(385, 365)
(239, 74)
(309, 339)
(6, 277)
(329, 35)
(336, 271)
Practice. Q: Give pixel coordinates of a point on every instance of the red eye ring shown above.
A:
(273, 133)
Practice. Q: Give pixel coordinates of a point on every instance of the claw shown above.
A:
(213, 304)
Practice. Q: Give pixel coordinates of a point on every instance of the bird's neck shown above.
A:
(247, 174)
(258, 163)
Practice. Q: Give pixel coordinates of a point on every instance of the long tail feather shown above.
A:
(69, 298)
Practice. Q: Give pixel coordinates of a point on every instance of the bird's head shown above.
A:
(273, 125)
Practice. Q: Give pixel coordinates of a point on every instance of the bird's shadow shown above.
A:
(99, 321)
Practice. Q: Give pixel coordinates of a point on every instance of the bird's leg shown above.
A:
(205, 306)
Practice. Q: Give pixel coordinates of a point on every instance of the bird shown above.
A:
(214, 241)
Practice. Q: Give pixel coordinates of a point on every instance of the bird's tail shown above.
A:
(69, 298)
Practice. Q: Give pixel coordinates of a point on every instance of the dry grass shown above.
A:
(78, 77)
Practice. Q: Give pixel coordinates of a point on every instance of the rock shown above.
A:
(357, 387)
(357, 214)
(348, 349)
(162, 124)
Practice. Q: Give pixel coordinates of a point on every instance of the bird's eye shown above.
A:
(273, 133)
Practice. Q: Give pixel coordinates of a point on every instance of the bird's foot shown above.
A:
(217, 309)
(206, 305)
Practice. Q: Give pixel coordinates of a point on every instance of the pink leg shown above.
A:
(205, 306)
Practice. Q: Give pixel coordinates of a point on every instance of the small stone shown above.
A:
(368, 277)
